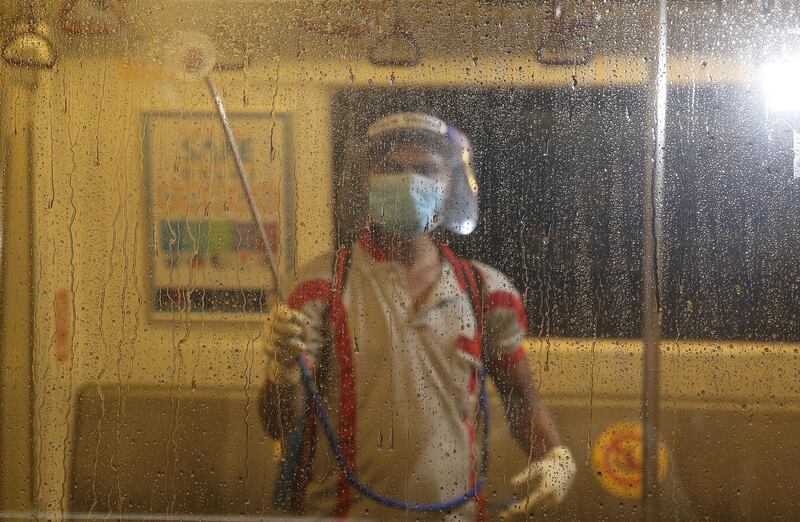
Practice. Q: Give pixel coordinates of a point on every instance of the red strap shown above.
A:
(477, 305)
(455, 262)
(315, 289)
(481, 514)
(475, 296)
(465, 277)
(347, 384)
(319, 289)
(371, 247)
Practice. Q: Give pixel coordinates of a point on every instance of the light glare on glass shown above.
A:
(781, 81)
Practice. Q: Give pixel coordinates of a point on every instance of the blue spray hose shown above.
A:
(362, 488)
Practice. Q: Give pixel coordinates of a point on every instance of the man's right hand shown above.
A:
(287, 337)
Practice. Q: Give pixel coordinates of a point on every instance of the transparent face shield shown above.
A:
(460, 209)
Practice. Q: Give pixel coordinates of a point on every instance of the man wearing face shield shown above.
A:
(396, 332)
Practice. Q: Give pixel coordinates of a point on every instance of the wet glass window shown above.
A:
(399, 259)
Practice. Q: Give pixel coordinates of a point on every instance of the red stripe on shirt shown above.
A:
(502, 299)
(315, 289)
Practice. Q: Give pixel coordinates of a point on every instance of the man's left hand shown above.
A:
(544, 483)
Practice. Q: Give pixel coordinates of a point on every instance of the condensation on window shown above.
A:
(399, 259)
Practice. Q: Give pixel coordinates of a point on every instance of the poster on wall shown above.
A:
(206, 254)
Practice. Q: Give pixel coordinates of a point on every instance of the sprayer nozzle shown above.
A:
(190, 54)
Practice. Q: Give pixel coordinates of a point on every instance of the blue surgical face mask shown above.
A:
(406, 204)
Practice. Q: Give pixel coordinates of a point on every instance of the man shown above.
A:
(396, 331)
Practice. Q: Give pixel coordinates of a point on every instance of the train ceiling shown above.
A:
(248, 30)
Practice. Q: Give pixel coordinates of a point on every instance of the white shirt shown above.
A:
(410, 397)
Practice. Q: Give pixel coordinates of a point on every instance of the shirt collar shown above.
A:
(448, 286)
(445, 288)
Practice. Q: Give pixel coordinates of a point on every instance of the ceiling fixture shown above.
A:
(29, 44)
(92, 17)
(567, 39)
(398, 48)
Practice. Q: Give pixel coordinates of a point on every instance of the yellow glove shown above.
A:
(544, 483)
(287, 337)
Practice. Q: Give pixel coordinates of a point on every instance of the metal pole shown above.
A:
(653, 206)
(246, 185)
